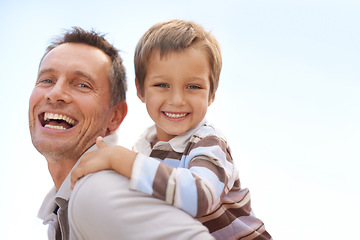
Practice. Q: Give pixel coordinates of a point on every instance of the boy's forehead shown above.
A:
(159, 53)
(186, 64)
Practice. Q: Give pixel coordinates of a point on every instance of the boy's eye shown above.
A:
(161, 85)
(194, 87)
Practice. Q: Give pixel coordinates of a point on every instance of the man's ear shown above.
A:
(138, 91)
(119, 112)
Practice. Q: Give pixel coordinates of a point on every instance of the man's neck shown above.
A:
(59, 170)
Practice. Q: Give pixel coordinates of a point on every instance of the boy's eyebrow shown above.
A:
(199, 78)
(192, 77)
(158, 76)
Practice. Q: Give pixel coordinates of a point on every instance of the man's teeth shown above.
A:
(175, 115)
(54, 127)
(55, 116)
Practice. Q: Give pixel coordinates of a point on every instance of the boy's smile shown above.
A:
(175, 115)
(177, 91)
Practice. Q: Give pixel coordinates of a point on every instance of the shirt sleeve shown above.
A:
(102, 206)
(207, 174)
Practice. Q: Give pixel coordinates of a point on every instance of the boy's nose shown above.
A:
(177, 97)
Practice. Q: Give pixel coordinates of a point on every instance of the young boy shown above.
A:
(182, 159)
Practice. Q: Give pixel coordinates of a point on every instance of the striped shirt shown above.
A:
(195, 172)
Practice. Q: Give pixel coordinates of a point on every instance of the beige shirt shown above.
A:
(101, 206)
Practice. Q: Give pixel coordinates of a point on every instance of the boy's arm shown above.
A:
(106, 157)
(209, 174)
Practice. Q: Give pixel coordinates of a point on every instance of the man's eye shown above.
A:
(83, 85)
(44, 81)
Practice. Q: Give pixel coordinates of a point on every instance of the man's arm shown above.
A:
(102, 207)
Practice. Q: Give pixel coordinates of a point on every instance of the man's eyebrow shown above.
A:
(79, 73)
(46, 70)
(83, 74)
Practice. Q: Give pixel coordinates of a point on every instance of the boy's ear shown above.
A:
(138, 91)
(211, 99)
(119, 112)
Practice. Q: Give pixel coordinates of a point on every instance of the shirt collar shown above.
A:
(178, 143)
(143, 144)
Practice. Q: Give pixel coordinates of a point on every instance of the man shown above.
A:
(80, 95)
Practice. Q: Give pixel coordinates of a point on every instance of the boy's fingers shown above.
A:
(100, 142)
(80, 171)
(75, 175)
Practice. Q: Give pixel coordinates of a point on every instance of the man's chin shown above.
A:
(55, 151)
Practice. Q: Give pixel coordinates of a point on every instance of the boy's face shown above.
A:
(177, 91)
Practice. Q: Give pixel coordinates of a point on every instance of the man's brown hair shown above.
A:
(117, 75)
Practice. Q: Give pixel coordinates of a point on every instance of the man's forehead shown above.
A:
(76, 56)
(78, 50)
(77, 60)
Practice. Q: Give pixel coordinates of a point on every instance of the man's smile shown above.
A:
(56, 121)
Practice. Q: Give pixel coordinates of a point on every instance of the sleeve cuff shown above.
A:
(136, 171)
(143, 173)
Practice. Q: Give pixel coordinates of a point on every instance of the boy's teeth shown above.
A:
(55, 116)
(175, 115)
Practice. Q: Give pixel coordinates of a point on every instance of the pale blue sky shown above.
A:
(288, 102)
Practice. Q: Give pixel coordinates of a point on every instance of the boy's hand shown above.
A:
(106, 157)
(92, 162)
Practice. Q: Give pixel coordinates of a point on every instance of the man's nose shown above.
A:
(59, 92)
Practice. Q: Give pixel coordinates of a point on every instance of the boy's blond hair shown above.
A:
(177, 35)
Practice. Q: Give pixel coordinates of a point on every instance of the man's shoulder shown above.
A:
(97, 199)
(95, 188)
(102, 206)
(104, 190)
(98, 179)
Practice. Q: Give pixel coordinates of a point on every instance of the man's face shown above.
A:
(69, 106)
